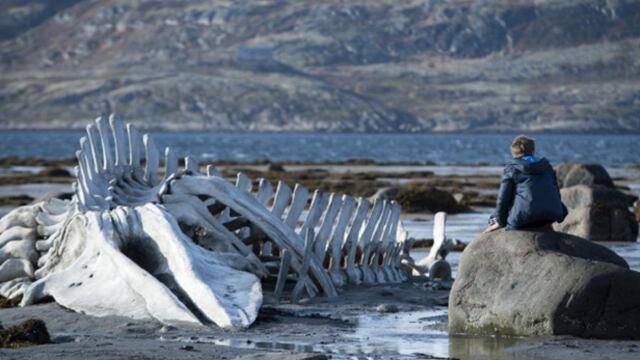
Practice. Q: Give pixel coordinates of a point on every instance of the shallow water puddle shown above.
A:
(404, 333)
(401, 335)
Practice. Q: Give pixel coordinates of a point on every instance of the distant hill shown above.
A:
(305, 65)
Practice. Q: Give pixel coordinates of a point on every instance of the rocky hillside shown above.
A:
(368, 65)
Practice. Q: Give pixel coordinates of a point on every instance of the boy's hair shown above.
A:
(522, 146)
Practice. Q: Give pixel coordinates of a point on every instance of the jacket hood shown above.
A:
(532, 166)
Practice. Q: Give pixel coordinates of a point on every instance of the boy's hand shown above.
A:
(491, 228)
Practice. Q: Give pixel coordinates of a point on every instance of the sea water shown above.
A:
(465, 149)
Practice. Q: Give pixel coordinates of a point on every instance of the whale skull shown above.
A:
(148, 241)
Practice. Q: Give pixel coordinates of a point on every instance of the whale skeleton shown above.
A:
(146, 239)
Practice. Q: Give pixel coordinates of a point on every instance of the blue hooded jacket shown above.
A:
(529, 195)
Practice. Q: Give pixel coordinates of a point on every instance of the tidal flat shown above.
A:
(388, 321)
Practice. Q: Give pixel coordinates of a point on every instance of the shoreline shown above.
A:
(350, 326)
(472, 186)
(44, 161)
(347, 326)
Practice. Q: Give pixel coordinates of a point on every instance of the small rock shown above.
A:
(54, 171)
(442, 302)
(276, 167)
(415, 198)
(571, 174)
(598, 213)
(9, 303)
(30, 332)
(387, 308)
(187, 348)
(166, 328)
(423, 243)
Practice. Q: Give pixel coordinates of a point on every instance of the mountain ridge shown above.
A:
(350, 66)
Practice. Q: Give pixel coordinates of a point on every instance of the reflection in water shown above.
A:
(404, 333)
(481, 348)
(400, 335)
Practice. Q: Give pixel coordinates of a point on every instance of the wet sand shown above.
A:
(326, 326)
(349, 326)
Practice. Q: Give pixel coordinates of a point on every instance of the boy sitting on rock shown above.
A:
(529, 196)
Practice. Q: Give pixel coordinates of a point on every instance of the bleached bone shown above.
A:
(383, 249)
(353, 272)
(435, 263)
(439, 238)
(337, 242)
(283, 271)
(280, 200)
(306, 262)
(265, 190)
(178, 245)
(330, 214)
(371, 245)
(389, 252)
(14, 287)
(108, 186)
(17, 233)
(299, 200)
(15, 268)
(123, 254)
(246, 205)
(24, 249)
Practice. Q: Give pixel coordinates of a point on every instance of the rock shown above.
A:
(15, 200)
(54, 171)
(166, 328)
(581, 195)
(562, 170)
(473, 198)
(544, 283)
(31, 332)
(440, 269)
(420, 197)
(598, 213)
(9, 303)
(385, 193)
(571, 174)
(387, 308)
(276, 167)
(636, 207)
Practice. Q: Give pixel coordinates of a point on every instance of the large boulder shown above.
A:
(385, 193)
(415, 198)
(571, 174)
(598, 213)
(544, 283)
